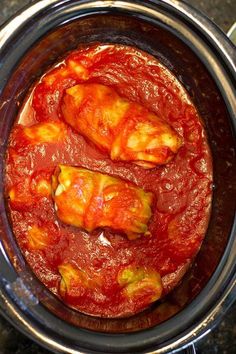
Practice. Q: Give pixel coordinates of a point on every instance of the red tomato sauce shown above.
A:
(182, 188)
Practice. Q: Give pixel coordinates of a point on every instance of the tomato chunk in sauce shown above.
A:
(100, 271)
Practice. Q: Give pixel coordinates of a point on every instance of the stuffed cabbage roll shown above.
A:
(91, 200)
(76, 282)
(139, 282)
(46, 132)
(124, 129)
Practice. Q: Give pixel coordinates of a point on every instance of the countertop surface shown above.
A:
(222, 339)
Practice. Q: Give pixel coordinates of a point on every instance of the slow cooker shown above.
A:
(203, 60)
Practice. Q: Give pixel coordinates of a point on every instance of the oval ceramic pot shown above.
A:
(203, 59)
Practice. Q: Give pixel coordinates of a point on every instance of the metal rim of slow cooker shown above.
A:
(204, 38)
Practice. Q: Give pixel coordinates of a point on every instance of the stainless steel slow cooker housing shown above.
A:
(203, 59)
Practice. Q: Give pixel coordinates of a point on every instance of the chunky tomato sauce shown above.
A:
(182, 187)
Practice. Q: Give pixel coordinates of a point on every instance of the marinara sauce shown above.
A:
(182, 188)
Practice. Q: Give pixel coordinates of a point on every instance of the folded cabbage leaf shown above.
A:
(90, 200)
(125, 130)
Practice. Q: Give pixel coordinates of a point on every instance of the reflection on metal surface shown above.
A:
(190, 350)
(21, 294)
(232, 33)
(17, 21)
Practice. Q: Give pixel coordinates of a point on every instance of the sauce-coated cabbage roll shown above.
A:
(46, 132)
(124, 129)
(140, 282)
(91, 200)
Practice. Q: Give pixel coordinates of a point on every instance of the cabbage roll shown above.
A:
(92, 200)
(125, 130)
(46, 132)
(140, 282)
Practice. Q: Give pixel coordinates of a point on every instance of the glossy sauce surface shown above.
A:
(182, 188)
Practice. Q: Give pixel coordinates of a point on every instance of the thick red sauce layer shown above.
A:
(182, 188)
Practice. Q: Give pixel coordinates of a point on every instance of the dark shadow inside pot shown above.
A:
(191, 72)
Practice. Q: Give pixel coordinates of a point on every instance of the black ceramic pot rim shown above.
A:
(205, 39)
